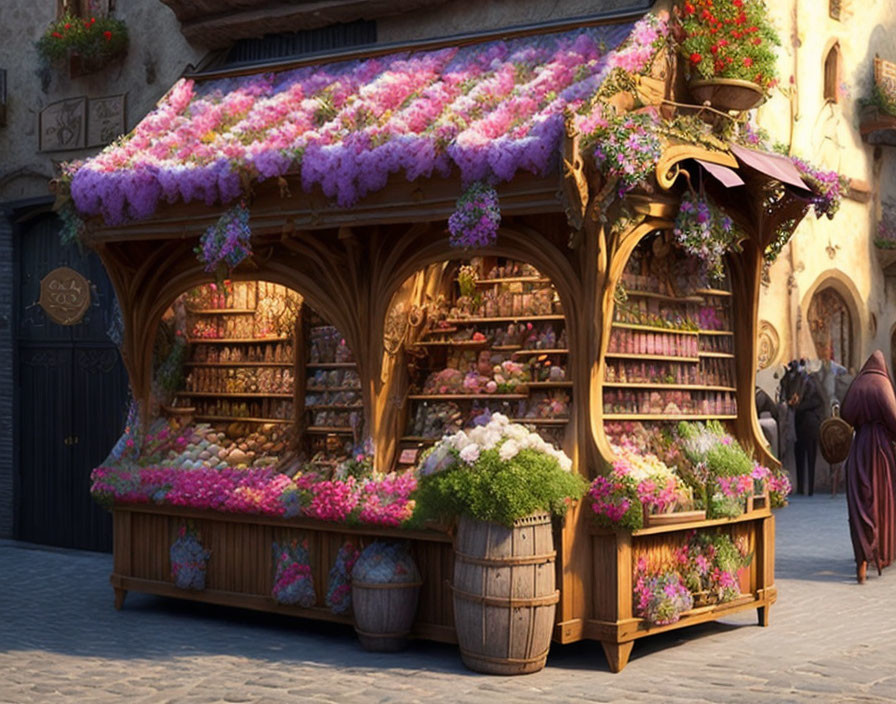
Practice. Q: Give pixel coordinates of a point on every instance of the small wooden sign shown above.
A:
(408, 456)
(64, 296)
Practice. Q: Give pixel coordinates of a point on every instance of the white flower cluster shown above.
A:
(509, 438)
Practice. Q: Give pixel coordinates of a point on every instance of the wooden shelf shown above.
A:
(222, 311)
(451, 343)
(514, 280)
(717, 355)
(663, 416)
(664, 297)
(418, 438)
(549, 384)
(336, 430)
(320, 389)
(648, 385)
(504, 319)
(234, 340)
(331, 365)
(653, 357)
(716, 332)
(705, 523)
(506, 348)
(241, 419)
(466, 397)
(712, 292)
(217, 394)
(239, 364)
(331, 407)
(652, 328)
(540, 421)
(555, 350)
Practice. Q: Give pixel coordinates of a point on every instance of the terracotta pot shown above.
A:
(727, 94)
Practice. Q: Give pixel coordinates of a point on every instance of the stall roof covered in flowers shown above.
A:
(488, 110)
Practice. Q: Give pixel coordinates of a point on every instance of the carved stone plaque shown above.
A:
(64, 296)
(769, 344)
(63, 125)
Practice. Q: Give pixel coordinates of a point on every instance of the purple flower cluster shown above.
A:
(660, 599)
(293, 582)
(828, 187)
(475, 221)
(339, 586)
(704, 231)
(227, 242)
(626, 147)
(188, 560)
(489, 110)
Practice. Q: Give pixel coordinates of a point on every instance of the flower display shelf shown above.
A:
(466, 397)
(615, 552)
(240, 570)
(653, 520)
(652, 357)
(667, 416)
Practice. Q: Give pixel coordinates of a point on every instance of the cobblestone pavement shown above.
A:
(830, 640)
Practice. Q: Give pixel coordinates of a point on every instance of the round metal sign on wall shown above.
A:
(64, 296)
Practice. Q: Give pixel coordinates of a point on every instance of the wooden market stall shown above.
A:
(382, 275)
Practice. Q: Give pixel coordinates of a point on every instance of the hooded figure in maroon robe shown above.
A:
(870, 407)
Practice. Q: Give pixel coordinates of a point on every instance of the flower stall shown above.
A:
(455, 299)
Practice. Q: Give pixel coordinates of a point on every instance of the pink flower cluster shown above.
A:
(489, 110)
(380, 501)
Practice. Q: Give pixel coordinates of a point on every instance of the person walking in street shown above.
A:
(870, 407)
(806, 399)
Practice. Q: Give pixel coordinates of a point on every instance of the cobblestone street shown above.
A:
(61, 640)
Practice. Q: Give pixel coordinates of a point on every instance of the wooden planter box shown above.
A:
(615, 553)
(240, 569)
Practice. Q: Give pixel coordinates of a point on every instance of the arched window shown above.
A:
(832, 75)
(830, 324)
(835, 7)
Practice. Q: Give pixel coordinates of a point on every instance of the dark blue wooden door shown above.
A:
(72, 397)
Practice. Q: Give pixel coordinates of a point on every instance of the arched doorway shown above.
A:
(831, 326)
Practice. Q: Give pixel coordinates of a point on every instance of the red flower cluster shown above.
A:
(735, 33)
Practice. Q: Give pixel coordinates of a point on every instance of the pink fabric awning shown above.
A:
(778, 167)
(723, 174)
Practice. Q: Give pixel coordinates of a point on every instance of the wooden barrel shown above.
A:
(504, 595)
(384, 614)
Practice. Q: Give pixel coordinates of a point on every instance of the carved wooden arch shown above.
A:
(420, 247)
(145, 291)
(620, 250)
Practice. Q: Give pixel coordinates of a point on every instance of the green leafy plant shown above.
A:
(728, 39)
(100, 39)
(499, 472)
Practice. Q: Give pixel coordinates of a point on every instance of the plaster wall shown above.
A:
(841, 251)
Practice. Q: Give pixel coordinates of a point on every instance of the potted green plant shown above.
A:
(504, 482)
(84, 45)
(728, 50)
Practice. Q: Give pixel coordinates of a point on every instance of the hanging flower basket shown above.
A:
(727, 94)
(82, 46)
